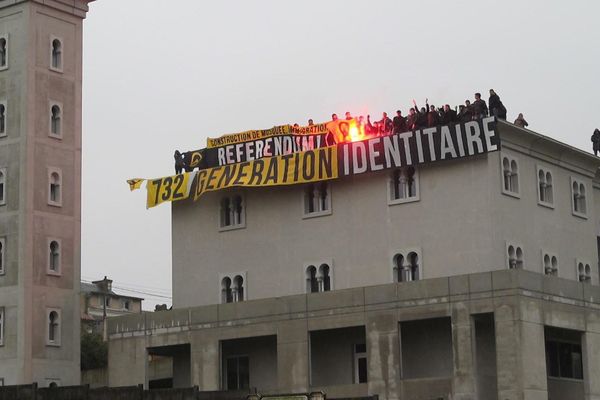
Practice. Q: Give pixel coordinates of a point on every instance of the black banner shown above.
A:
(447, 142)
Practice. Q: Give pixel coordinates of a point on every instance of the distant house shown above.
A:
(99, 301)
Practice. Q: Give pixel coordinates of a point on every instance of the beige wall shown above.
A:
(460, 224)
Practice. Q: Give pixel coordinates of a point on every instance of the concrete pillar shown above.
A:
(591, 365)
(521, 355)
(463, 382)
(292, 356)
(205, 362)
(127, 362)
(383, 352)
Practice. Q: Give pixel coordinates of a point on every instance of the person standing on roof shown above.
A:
(520, 121)
(596, 141)
(497, 109)
(480, 109)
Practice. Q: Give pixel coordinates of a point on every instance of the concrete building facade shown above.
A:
(467, 279)
(40, 190)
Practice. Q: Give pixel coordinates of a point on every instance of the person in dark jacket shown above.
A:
(465, 113)
(596, 141)
(448, 115)
(520, 121)
(385, 124)
(399, 122)
(479, 107)
(497, 109)
(433, 118)
(411, 120)
(421, 119)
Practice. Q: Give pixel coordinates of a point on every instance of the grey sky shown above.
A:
(163, 75)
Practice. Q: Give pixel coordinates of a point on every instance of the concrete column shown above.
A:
(521, 355)
(292, 356)
(591, 365)
(205, 362)
(383, 352)
(127, 362)
(463, 382)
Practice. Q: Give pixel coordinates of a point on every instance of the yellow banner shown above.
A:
(248, 135)
(302, 167)
(169, 188)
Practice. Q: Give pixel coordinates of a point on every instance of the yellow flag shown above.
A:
(135, 183)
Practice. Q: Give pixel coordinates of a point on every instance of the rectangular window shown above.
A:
(360, 363)
(237, 373)
(564, 360)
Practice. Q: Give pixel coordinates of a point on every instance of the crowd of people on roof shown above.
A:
(430, 116)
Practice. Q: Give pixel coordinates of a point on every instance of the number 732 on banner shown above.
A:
(169, 188)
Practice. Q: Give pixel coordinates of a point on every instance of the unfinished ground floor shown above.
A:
(503, 335)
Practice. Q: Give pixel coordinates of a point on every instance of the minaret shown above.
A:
(40, 190)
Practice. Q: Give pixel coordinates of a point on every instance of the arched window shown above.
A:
(578, 194)
(53, 327)
(55, 120)
(54, 257)
(324, 278)
(545, 190)
(56, 57)
(238, 288)
(510, 172)
(317, 199)
(515, 257)
(406, 267)
(550, 264)
(3, 52)
(226, 292)
(2, 119)
(54, 189)
(312, 285)
(584, 272)
(2, 186)
(232, 212)
(403, 185)
(399, 267)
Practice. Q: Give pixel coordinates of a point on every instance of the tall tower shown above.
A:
(40, 190)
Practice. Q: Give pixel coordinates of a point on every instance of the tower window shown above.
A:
(232, 213)
(584, 272)
(403, 186)
(2, 118)
(514, 256)
(2, 255)
(54, 257)
(510, 176)
(56, 51)
(3, 52)
(55, 188)
(545, 188)
(317, 199)
(238, 288)
(56, 120)
(53, 337)
(578, 196)
(2, 186)
(406, 266)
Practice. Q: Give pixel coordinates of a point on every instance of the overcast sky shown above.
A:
(163, 75)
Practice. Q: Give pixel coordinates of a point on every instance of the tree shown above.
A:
(94, 351)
